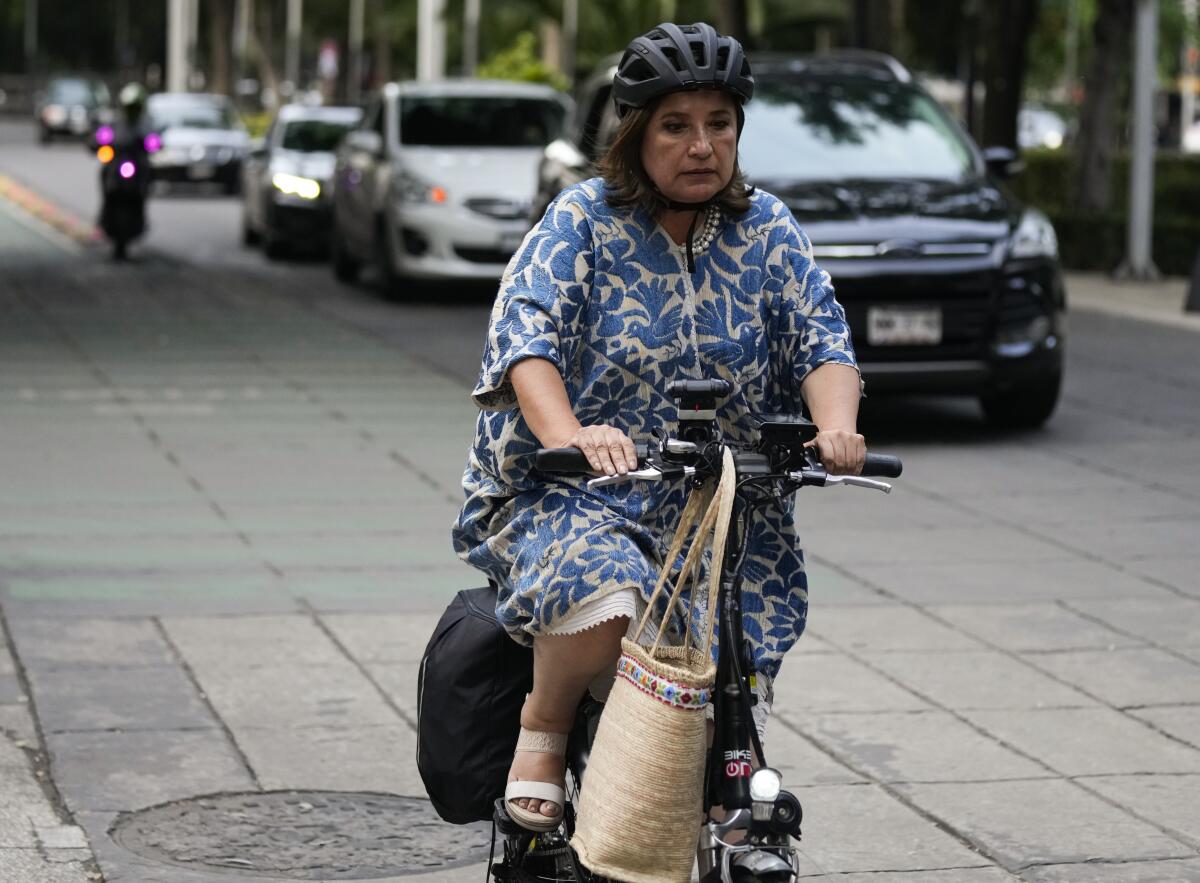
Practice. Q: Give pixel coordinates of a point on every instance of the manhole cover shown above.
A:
(303, 835)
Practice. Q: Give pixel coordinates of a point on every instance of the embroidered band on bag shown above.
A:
(662, 689)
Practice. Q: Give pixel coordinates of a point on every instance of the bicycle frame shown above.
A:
(766, 819)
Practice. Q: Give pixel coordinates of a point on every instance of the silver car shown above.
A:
(436, 183)
(285, 178)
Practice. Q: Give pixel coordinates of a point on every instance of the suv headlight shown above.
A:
(1034, 237)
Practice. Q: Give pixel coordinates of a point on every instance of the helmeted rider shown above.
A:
(666, 266)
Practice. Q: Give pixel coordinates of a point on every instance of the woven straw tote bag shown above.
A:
(641, 803)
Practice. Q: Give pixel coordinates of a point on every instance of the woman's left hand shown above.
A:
(842, 452)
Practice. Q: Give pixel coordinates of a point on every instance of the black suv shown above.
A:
(950, 284)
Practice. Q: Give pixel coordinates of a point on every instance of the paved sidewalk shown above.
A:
(1161, 302)
(223, 543)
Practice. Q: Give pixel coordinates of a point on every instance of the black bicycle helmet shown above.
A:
(675, 58)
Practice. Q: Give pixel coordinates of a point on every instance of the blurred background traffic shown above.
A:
(949, 160)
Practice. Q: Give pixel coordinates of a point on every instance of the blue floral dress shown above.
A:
(604, 294)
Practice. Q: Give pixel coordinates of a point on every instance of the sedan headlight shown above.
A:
(295, 185)
(407, 187)
(54, 114)
(1034, 237)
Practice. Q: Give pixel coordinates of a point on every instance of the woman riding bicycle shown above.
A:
(667, 267)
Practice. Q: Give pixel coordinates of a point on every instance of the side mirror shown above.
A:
(365, 141)
(1003, 162)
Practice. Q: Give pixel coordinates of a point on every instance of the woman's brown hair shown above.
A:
(630, 186)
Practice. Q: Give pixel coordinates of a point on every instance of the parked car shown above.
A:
(285, 179)
(437, 181)
(950, 284)
(1039, 127)
(203, 139)
(71, 106)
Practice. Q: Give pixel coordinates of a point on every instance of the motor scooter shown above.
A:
(124, 183)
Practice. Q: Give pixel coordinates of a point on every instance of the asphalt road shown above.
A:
(223, 542)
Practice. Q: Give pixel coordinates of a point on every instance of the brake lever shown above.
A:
(821, 478)
(649, 473)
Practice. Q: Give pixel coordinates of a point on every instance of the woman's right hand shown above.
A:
(609, 451)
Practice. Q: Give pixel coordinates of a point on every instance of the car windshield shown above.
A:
(72, 92)
(310, 136)
(192, 115)
(479, 121)
(829, 130)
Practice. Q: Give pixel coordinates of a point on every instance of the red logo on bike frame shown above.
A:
(737, 769)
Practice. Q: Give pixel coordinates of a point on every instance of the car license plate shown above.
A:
(201, 170)
(904, 326)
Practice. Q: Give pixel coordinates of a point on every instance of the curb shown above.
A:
(59, 219)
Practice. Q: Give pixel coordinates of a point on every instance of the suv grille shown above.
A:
(502, 209)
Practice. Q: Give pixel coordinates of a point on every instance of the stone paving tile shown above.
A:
(382, 550)
(899, 840)
(110, 519)
(94, 772)
(1180, 721)
(930, 746)
(1032, 627)
(219, 643)
(1088, 741)
(800, 761)
(881, 629)
(1088, 506)
(985, 583)
(1047, 821)
(1170, 802)
(1117, 539)
(831, 588)
(424, 590)
(10, 688)
(29, 866)
(301, 517)
(159, 698)
(1173, 871)
(58, 643)
(982, 680)
(30, 557)
(78, 597)
(275, 696)
(1172, 622)
(16, 722)
(384, 638)
(821, 682)
(363, 758)
(902, 547)
(1127, 677)
(955, 875)
(1180, 572)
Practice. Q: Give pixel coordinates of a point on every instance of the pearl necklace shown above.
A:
(703, 239)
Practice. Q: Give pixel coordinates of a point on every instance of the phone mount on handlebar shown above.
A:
(696, 408)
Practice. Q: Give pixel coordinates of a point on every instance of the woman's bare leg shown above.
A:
(563, 667)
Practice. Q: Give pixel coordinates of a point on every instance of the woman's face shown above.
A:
(690, 144)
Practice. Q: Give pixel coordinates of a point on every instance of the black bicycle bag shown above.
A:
(470, 689)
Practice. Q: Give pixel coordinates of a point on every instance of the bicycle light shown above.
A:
(765, 786)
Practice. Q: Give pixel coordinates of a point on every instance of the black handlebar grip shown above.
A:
(572, 459)
(677, 388)
(883, 465)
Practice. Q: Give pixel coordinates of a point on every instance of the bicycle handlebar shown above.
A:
(573, 460)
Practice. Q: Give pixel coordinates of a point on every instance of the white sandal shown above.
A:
(543, 743)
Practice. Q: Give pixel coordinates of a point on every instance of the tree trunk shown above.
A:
(381, 54)
(734, 20)
(1095, 144)
(220, 35)
(1006, 29)
(261, 46)
(878, 25)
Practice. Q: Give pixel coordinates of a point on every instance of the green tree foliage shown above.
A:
(520, 61)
